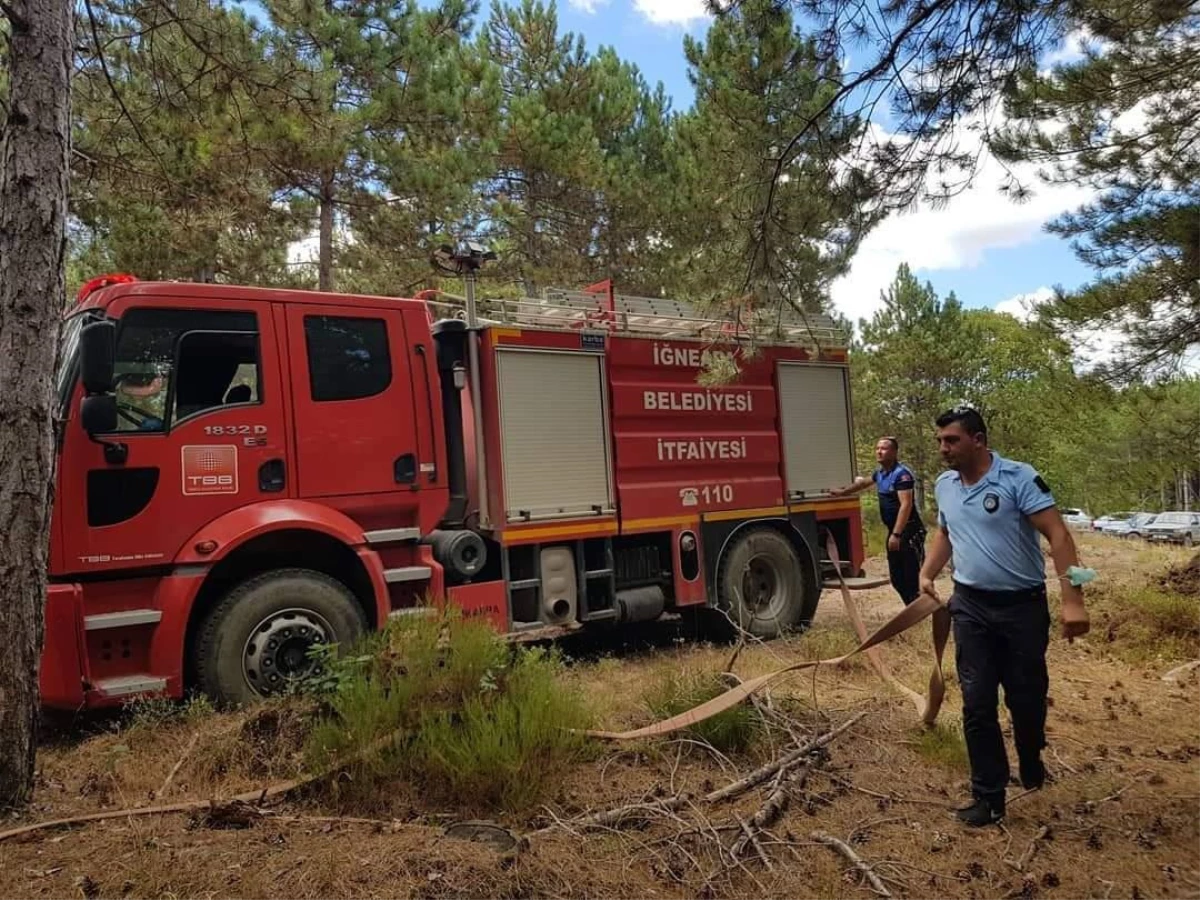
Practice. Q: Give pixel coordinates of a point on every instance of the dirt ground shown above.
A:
(1120, 819)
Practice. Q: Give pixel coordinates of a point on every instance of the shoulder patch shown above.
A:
(1041, 483)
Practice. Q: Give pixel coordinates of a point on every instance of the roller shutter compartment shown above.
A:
(814, 409)
(554, 436)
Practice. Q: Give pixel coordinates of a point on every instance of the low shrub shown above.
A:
(447, 704)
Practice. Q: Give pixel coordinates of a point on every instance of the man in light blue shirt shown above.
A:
(991, 512)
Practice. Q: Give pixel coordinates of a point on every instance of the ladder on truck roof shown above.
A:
(659, 317)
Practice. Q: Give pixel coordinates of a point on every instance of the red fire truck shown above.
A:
(245, 472)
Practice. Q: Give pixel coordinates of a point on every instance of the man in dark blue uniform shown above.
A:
(906, 532)
(991, 511)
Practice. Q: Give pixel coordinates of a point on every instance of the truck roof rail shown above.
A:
(659, 317)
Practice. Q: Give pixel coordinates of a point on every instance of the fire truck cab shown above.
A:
(246, 472)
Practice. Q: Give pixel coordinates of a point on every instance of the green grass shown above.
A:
(826, 642)
(732, 731)
(874, 534)
(943, 745)
(158, 712)
(1146, 624)
(449, 706)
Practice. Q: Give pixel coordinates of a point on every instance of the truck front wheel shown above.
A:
(256, 641)
(761, 584)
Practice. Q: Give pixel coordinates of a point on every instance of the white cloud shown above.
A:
(1022, 305)
(957, 236)
(670, 12)
(1093, 346)
(1073, 47)
(587, 6)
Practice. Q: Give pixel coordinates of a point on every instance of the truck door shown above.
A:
(356, 431)
(200, 415)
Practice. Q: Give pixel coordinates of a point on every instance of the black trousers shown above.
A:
(1000, 638)
(904, 565)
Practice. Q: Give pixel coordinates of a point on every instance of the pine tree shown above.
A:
(34, 173)
(1131, 109)
(748, 238)
(165, 184)
(379, 124)
(635, 194)
(921, 354)
(541, 200)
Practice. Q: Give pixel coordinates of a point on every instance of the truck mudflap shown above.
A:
(61, 673)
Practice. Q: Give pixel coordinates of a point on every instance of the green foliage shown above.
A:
(162, 184)
(921, 354)
(732, 731)
(1123, 119)
(580, 182)
(1145, 624)
(444, 702)
(380, 119)
(747, 239)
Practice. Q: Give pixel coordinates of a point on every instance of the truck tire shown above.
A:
(761, 586)
(256, 638)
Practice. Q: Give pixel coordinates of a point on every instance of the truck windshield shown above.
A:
(68, 361)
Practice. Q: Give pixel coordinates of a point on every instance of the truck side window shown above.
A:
(200, 359)
(348, 357)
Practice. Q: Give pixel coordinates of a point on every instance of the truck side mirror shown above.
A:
(98, 414)
(97, 350)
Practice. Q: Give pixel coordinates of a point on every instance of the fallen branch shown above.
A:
(257, 797)
(859, 863)
(620, 814)
(1174, 674)
(761, 774)
(749, 837)
(1027, 856)
(774, 805)
(162, 791)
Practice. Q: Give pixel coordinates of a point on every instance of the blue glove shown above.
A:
(1080, 576)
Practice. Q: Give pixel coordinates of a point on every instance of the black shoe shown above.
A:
(982, 812)
(1033, 774)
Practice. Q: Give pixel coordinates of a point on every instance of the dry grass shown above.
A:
(1123, 811)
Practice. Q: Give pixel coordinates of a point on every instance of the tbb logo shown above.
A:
(210, 470)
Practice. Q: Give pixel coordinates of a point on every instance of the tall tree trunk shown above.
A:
(325, 266)
(33, 207)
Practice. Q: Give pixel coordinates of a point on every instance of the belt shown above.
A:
(1000, 598)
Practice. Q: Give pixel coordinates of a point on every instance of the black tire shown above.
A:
(294, 609)
(1188, 540)
(761, 587)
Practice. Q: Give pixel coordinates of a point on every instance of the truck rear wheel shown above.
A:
(761, 585)
(256, 641)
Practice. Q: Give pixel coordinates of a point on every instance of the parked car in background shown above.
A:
(1077, 518)
(1132, 527)
(1175, 527)
(1111, 521)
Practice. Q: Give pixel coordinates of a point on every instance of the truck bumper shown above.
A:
(61, 673)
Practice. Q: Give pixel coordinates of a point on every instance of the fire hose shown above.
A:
(923, 607)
